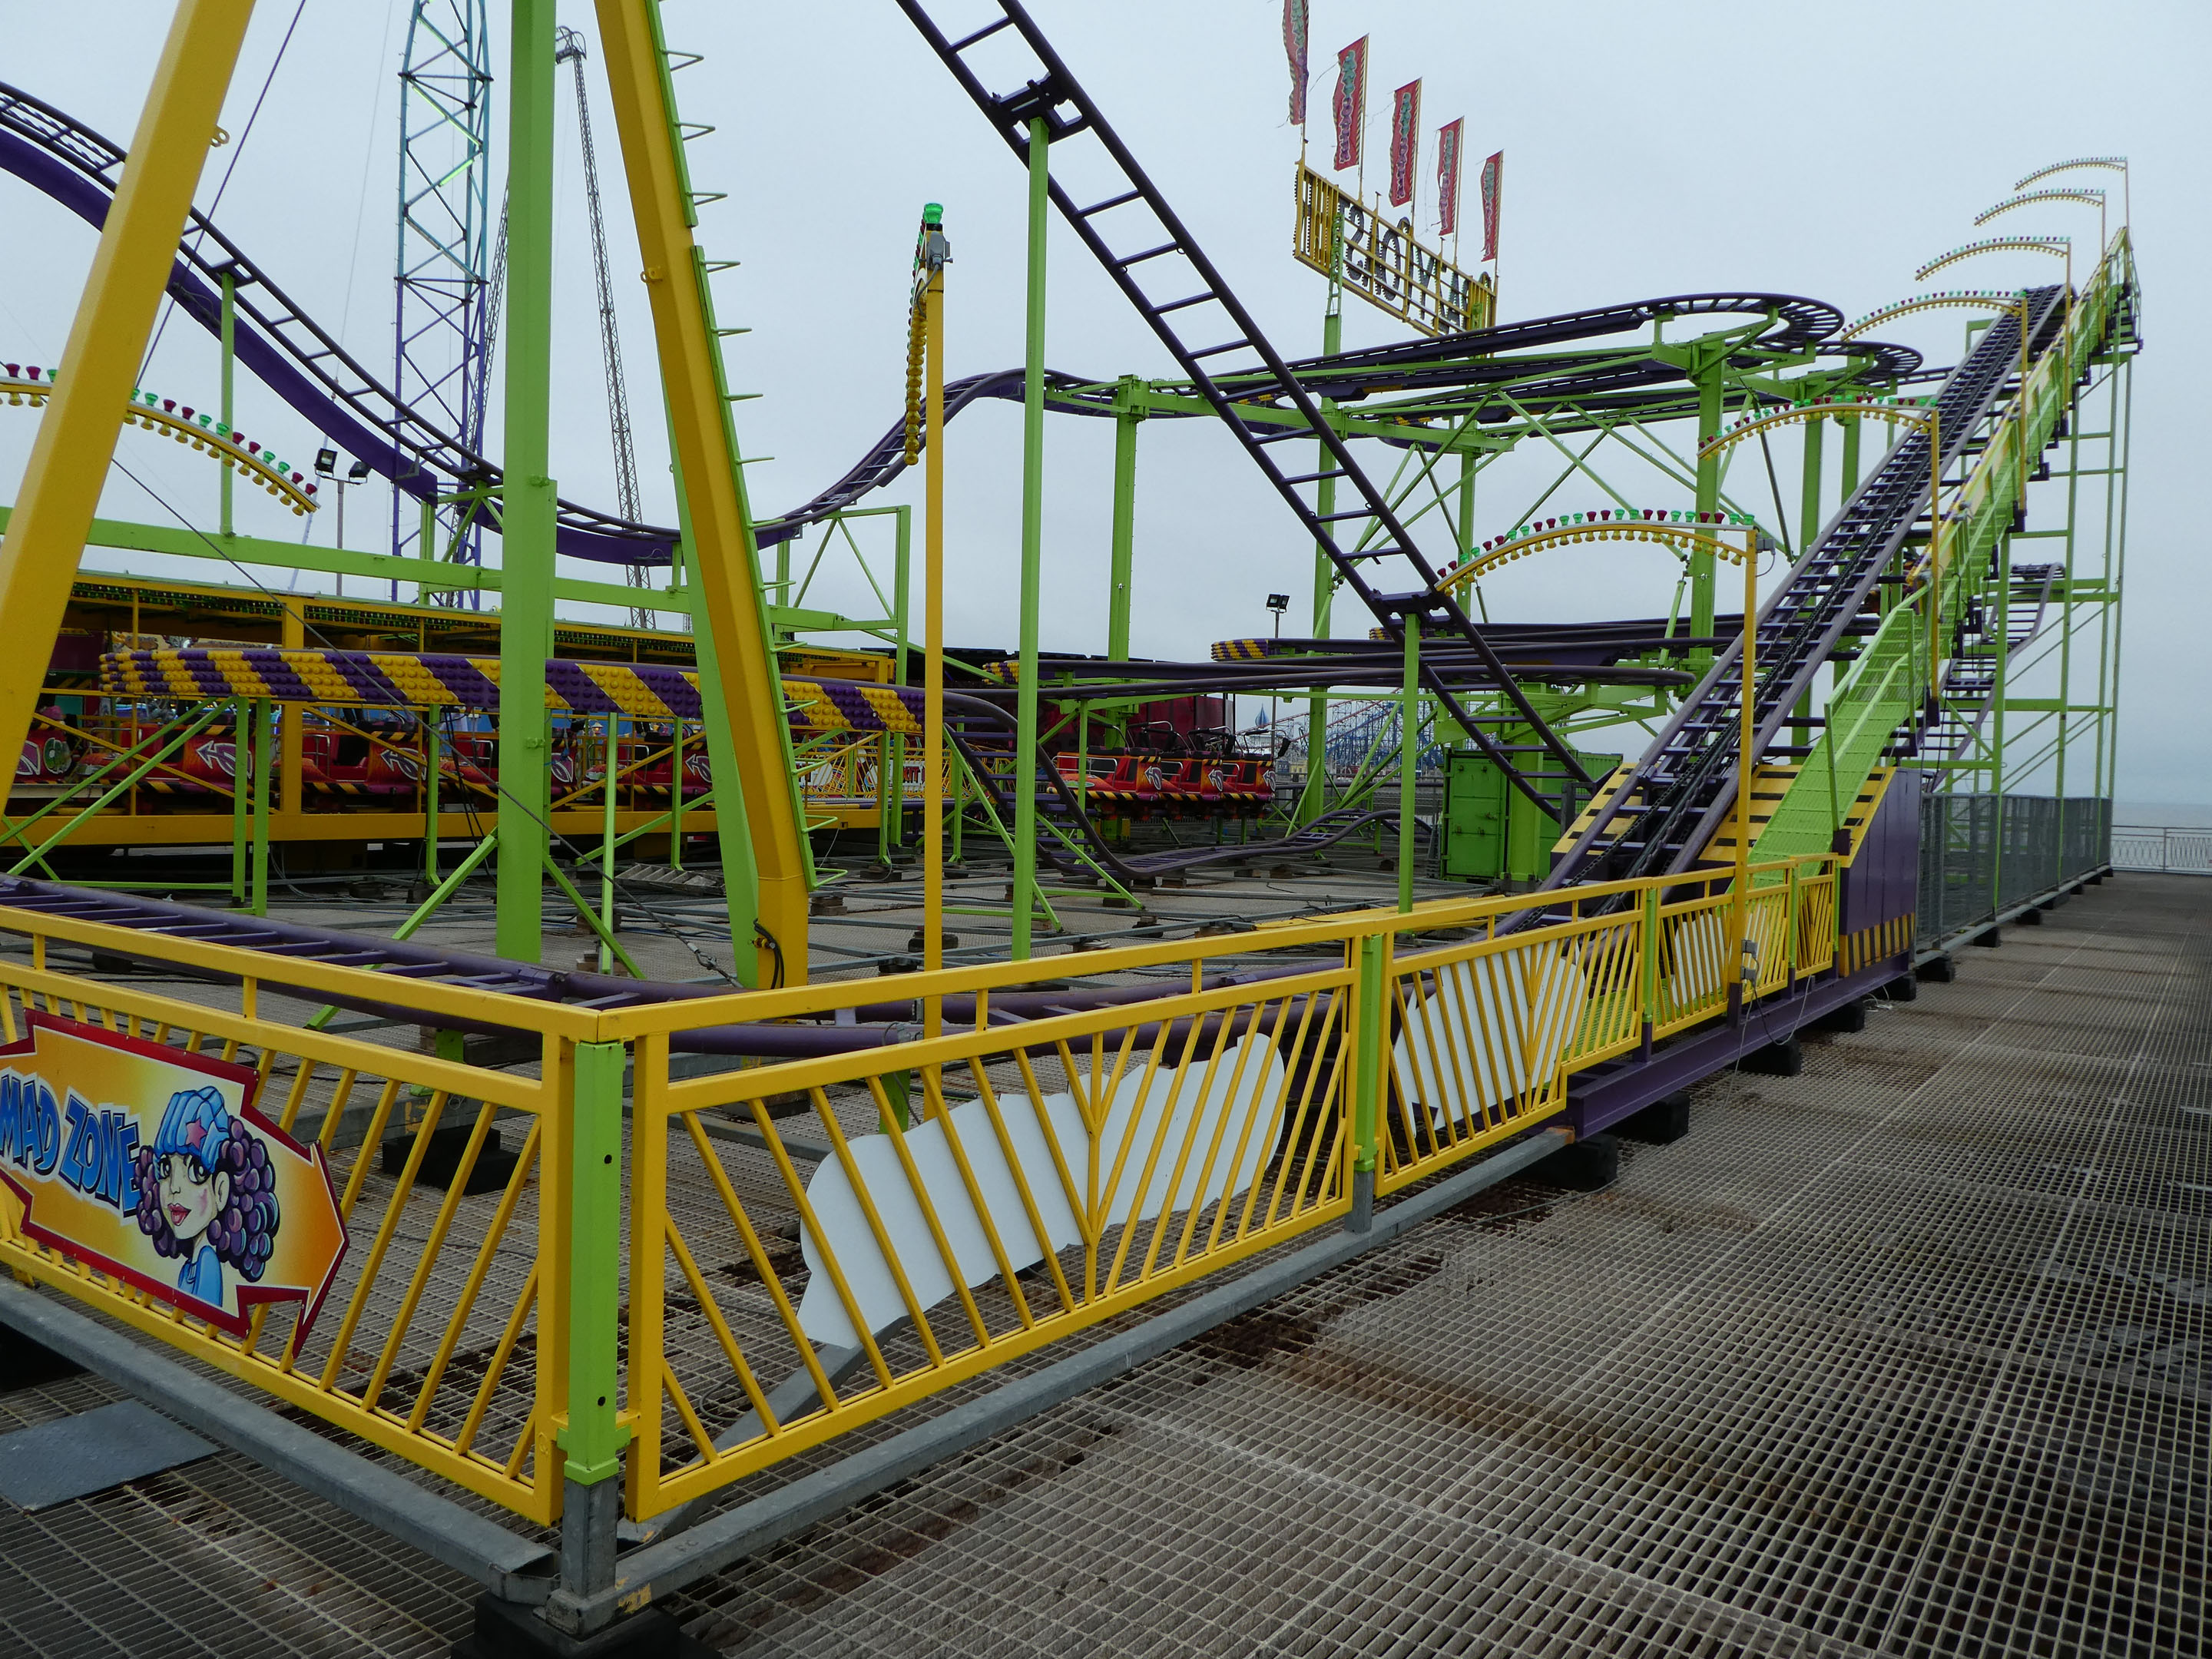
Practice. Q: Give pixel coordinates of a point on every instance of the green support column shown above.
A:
(2116, 567)
(241, 832)
(1025, 718)
(230, 360)
(1808, 530)
(1847, 486)
(433, 762)
(2002, 665)
(740, 875)
(1808, 509)
(610, 798)
(594, 1440)
(1314, 801)
(1709, 500)
(1125, 517)
(1409, 755)
(2107, 610)
(527, 501)
(1465, 539)
(2066, 614)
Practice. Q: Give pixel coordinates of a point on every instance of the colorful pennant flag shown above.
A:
(1294, 45)
(1491, 170)
(1405, 141)
(1351, 101)
(1449, 137)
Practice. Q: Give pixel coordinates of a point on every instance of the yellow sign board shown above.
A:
(1383, 263)
(152, 1165)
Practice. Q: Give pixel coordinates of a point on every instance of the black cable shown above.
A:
(774, 950)
(237, 155)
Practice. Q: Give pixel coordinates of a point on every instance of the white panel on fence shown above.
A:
(1227, 1132)
(1500, 1022)
(1699, 945)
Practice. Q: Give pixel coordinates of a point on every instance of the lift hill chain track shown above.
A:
(1660, 819)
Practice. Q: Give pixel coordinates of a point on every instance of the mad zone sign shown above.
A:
(152, 1164)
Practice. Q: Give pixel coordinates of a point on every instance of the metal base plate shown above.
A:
(76, 1457)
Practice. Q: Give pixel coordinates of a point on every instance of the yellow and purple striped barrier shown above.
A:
(397, 679)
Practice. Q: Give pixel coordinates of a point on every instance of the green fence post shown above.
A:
(1370, 1061)
(594, 1440)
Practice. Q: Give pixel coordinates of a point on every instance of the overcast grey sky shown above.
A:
(1651, 150)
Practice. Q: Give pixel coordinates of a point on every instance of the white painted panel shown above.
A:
(1236, 1106)
(1501, 1021)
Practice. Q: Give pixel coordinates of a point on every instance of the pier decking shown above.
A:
(1903, 1355)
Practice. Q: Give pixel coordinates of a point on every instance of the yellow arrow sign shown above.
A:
(154, 1165)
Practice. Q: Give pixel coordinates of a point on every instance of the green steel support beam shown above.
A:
(594, 1440)
(1809, 530)
(1709, 384)
(241, 831)
(528, 503)
(1025, 711)
(229, 363)
(2115, 572)
(125, 536)
(740, 874)
(1808, 509)
(114, 792)
(1313, 800)
(1124, 520)
(1409, 755)
(434, 761)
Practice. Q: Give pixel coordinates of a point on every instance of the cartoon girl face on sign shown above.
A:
(206, 1192)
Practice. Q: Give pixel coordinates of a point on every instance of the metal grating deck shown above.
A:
(1902, 1356)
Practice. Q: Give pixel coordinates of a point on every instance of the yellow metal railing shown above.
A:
(1029, 1192)
(460, 1372)
(810, 1244)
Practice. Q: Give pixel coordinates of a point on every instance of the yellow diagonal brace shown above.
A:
(77, 434)
(707, 452)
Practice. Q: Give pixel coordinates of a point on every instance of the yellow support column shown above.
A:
(723, 548)
(99, 365)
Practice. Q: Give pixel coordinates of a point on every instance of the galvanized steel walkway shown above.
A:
(1903, 1356)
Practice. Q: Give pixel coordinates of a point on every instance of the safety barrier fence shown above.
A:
(599, 1264)
(1981, 855)
(2166, 848)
